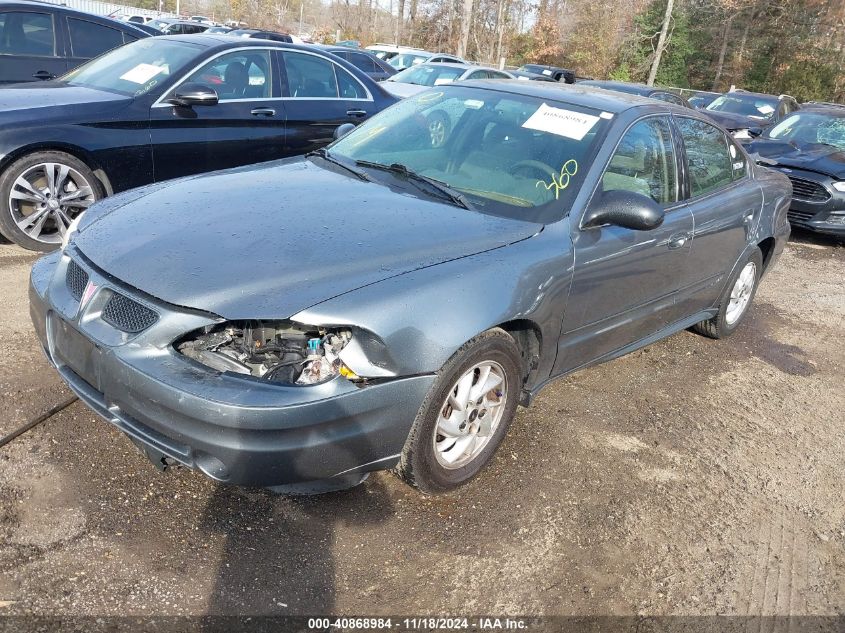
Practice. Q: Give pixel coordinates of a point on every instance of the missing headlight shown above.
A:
(278, 351)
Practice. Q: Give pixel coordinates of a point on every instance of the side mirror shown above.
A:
(192, 94)
(754, 132)
(626, 209)
(343, 130)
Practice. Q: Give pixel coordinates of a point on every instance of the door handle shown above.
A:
(263, 112)
(44, 75)
(356, 113)
(678, 240)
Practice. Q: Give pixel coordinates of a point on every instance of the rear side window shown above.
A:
(26, 33)
(710, 164)
(738, 164)
(644, 162)
(88, 39)
(363, 62)
(668, 97)
(310, 77)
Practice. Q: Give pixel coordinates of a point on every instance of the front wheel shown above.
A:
(465, 414)
(736, 299)
(41, 194)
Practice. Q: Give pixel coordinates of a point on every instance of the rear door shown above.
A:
(625, 282)
(246, 126)
(725, 203)
(319, 95)
(29, 46)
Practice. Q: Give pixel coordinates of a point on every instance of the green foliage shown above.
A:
(637, 53)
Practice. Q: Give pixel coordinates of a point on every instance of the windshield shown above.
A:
(406, 60)
(745, 105)
(806, 127)
(427, 75)
(509, 155)
(136, 68)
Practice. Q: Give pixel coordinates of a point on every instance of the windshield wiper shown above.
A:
(324, 154)
(455, 197)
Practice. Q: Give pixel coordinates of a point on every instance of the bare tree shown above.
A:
(661, 43)
(466, 24)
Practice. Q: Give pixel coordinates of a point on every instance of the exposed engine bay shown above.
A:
(282, 352)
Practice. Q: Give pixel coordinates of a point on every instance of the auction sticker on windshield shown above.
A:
(141, 74)
(568, 123)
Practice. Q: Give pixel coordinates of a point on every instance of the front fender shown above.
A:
(413, 323)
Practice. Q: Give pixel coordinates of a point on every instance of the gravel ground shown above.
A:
(691, 477)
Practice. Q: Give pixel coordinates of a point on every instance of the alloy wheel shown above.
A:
(46, 198)
(741, 293)
(470, 415)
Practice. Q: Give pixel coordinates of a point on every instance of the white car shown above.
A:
(402, 57)
(413, 80)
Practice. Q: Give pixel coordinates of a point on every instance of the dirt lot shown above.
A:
(692, 477)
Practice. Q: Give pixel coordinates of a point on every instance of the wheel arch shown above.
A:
(767, 247)
(76, 151)
(529, 339)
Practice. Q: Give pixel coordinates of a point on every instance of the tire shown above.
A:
(438, 128)
(26, 192)
(726, 320)
(424, 459)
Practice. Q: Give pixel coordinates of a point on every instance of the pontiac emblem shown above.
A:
(90, 289)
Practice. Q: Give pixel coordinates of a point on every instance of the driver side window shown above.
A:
(240, 75)
(644, 162)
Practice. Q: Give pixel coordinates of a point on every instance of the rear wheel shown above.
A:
(41, 194)
(438, 128)
(736, 299)
(465, 414)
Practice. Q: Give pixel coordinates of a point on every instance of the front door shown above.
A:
(320, 96)
(625, 281)
(247, 125)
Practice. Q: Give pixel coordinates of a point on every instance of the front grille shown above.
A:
(799, 216)
(808, 190)
(76, 279)
(128, 315)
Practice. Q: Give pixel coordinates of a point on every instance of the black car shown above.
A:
(262, 35)
(526, 75)
(653, 92)
(366, 62)
(809, 147)
(700, 99)
(558, 74)
(747, 114)
(160, 108)
(42, 41)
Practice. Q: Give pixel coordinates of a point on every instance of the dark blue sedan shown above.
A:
(161, 108)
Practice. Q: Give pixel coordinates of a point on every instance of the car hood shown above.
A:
(810, 156)
(267, 241)
(401, 89)
(40, 99)
(731, 121)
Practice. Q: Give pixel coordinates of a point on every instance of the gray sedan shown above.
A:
(386, 303)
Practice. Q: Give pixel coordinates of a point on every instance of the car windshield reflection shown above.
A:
(508, 154)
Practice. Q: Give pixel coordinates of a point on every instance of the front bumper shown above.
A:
(816, 205)
(234, 429)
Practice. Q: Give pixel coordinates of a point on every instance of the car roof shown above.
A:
(575, 94)
(832, 109)
(33, 4)
(757, 95)
(226, 40)
(624, 86)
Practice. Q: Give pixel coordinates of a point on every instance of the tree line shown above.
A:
(777, 46)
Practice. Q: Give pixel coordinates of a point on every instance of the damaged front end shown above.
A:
(277, 351)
